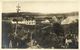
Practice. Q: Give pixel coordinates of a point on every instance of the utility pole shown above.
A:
(15, 33)
(18, 10)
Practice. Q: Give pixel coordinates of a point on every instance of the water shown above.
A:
(6, 28)
(5, 40)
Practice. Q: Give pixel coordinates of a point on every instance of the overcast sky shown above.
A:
(42, 7)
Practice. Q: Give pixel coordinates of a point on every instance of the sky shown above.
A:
(40, 6)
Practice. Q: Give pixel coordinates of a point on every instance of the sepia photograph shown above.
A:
(40, 25)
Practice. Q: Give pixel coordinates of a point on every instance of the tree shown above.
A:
(73, 27)
(58, 29)
(48, 38)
